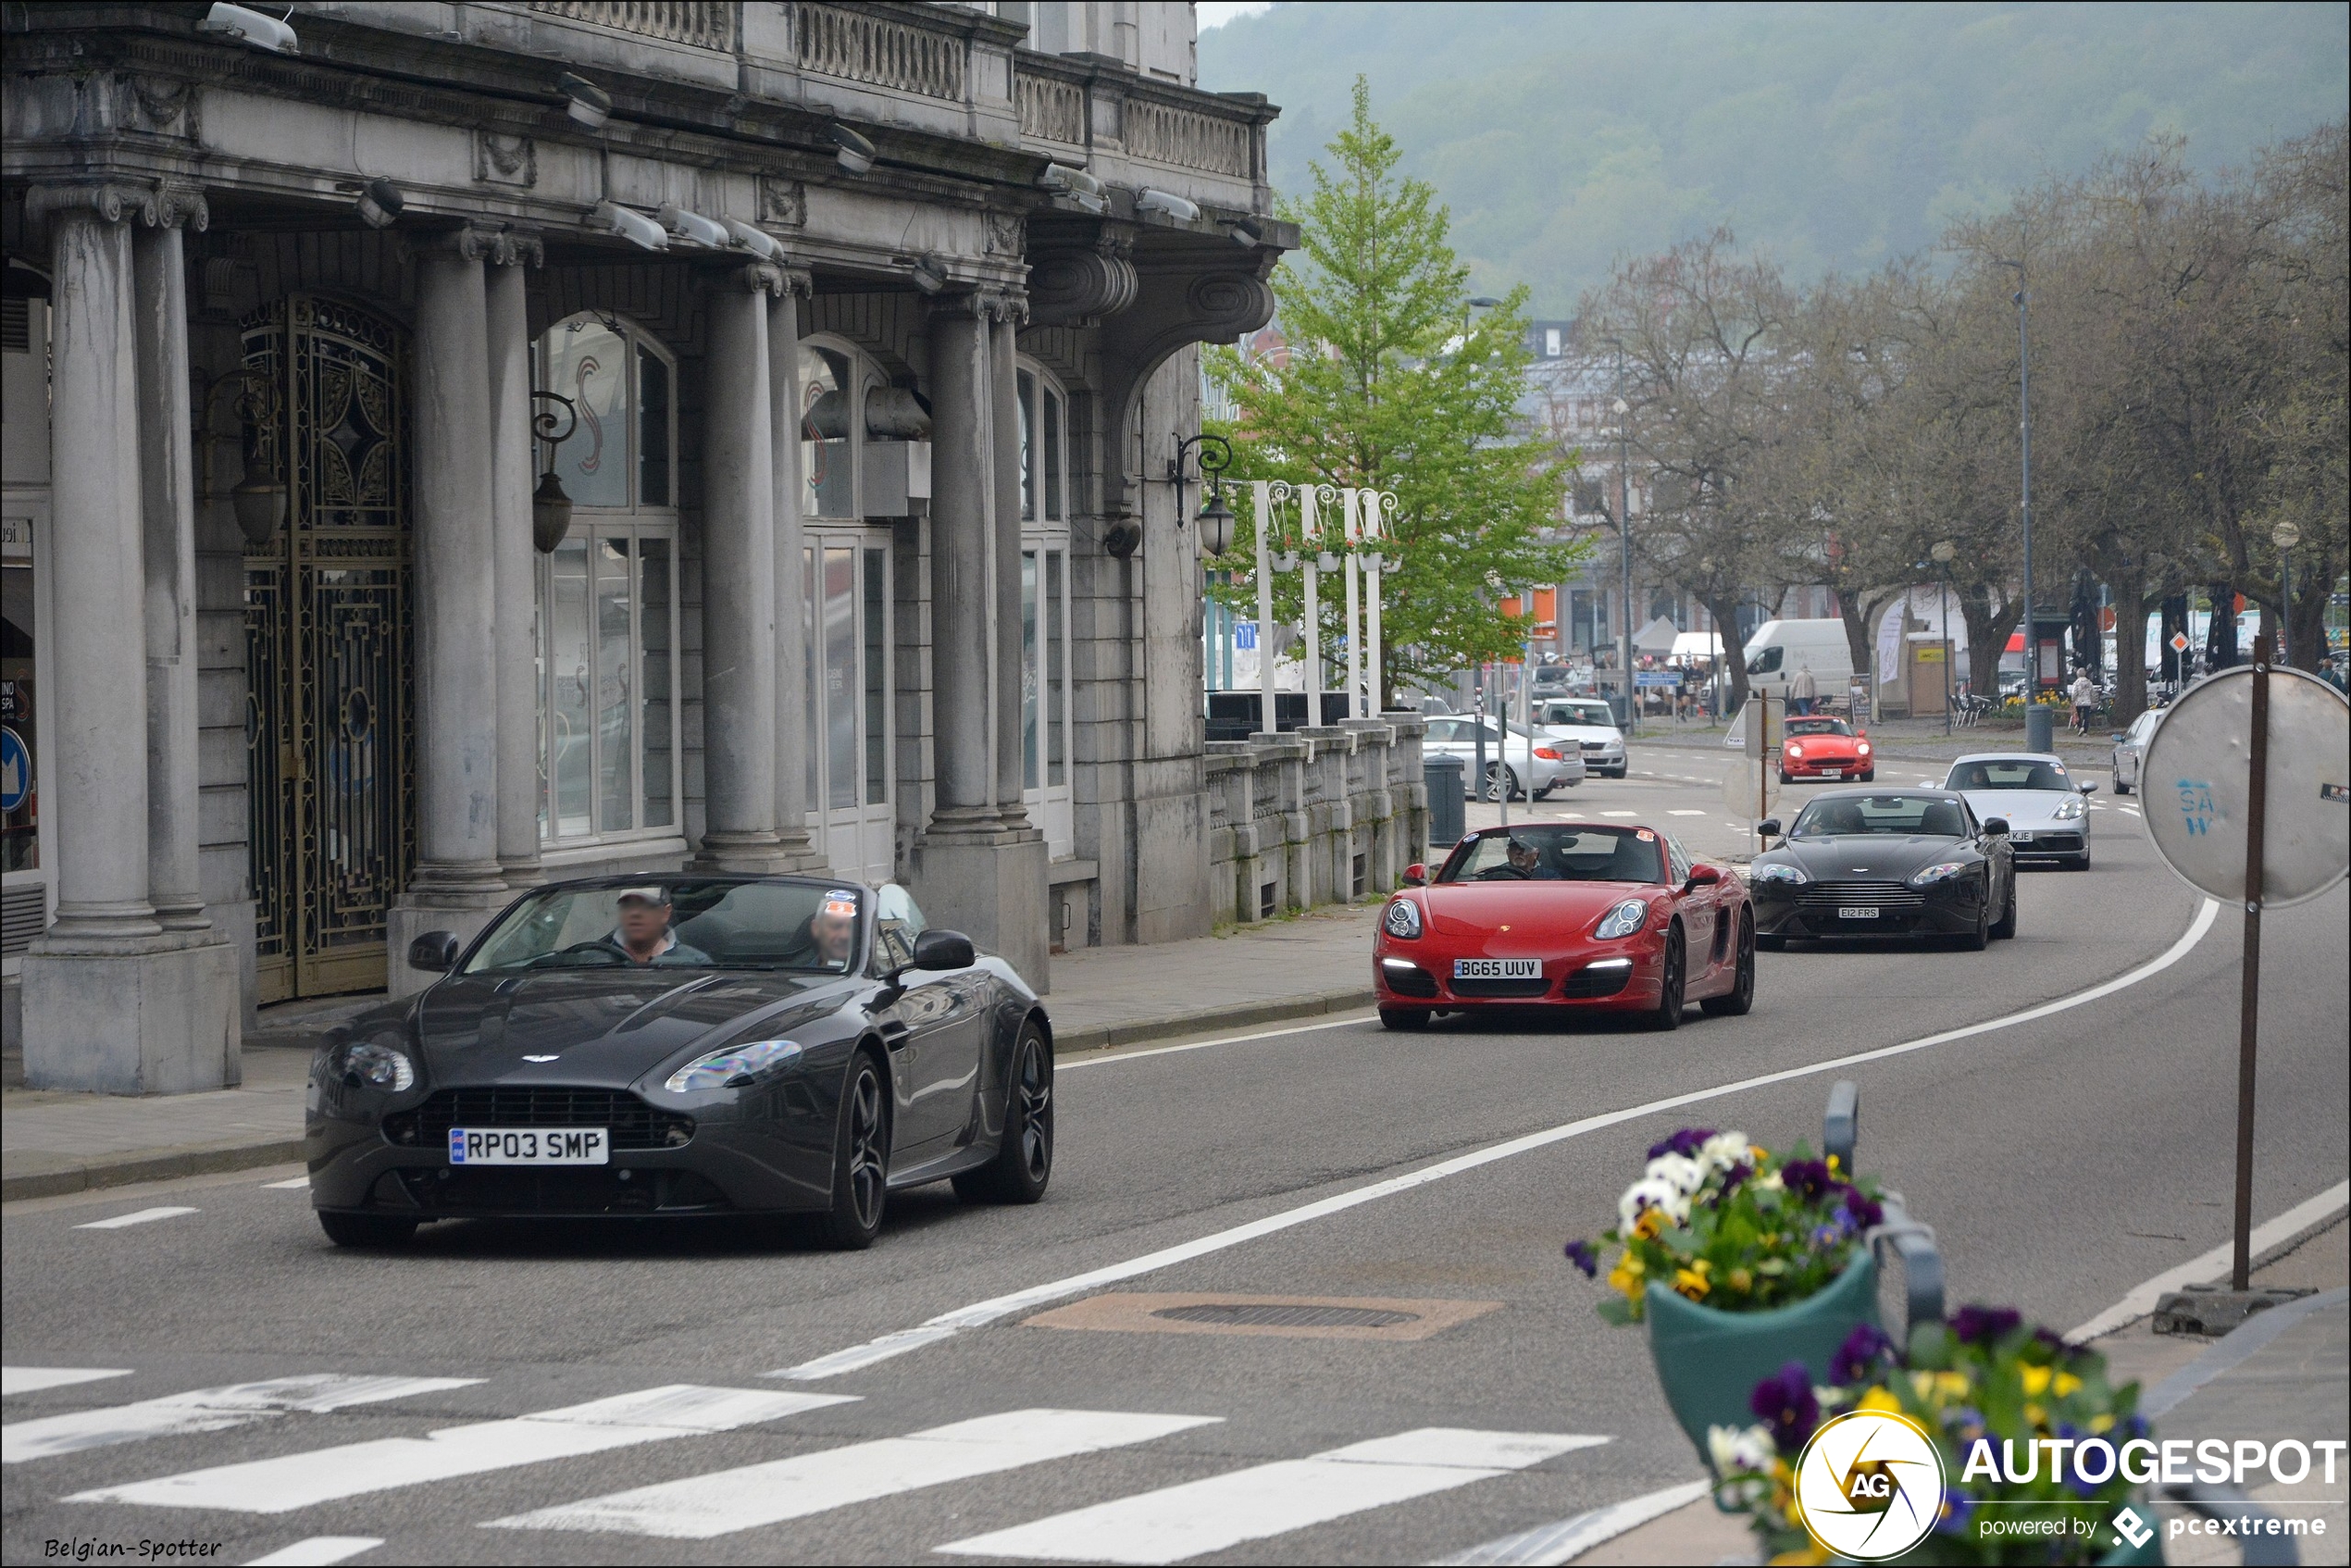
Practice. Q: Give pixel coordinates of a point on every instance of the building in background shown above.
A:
(480, 443)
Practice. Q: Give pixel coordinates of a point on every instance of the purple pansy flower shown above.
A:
(1784, 1403)
(1864, 1350)
(1977, 1324)
(1864, 1210)
(1686, 1143)
(1958, 1507)
(1807, 1179)
(1580, 1253)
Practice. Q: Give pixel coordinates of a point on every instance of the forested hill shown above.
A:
(1833, 135)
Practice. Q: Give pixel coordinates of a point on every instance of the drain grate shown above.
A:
(1268, 1315)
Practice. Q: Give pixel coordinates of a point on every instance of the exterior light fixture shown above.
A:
(759, 242)
(1122, 537)
(380, 202)
(1482, 302)
(692, 226)
(260, 506)
(1074, 185)
(1168, 204)
(852, 152)
(1215, 521)
(251, 27)
(550, 506)
(633, 227)
(1247, 237)
(590, 104)
(929, 273)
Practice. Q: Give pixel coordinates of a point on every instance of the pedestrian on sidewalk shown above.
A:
(1802, 690)
(2085, 697)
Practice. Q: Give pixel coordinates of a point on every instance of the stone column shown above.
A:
(1005, 314)
(514, 559)
(456, 886)
(792, 739)
(738, 580)
(167, 482)
(112, 1000)
(962, 495)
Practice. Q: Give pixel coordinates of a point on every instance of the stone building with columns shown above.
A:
(452, 446)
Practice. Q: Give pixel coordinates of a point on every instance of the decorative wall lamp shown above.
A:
(550, 507)
(260, 502)
(1216, 517)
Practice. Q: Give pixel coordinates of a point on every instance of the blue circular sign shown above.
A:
(15, 771)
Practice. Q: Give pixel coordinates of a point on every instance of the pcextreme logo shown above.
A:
(1870, 1485)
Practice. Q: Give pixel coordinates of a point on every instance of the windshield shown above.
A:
(1898, 816)
(2009, 773)
(1594, 714)
(1796, 726)
(676, 924)
(1557, 853)
(1765, 660)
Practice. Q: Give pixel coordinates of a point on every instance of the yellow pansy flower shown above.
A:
(1626, 1276)
(2035, 1380)
(1878, 1399)
(2065, 1383)
(1691, 1282)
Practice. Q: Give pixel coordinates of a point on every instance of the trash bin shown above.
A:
(2040, 727)
(1447, 801)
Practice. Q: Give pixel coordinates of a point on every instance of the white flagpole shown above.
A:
(1375, 527)
(1348, 499)
(1262, 492)
(1311, 524)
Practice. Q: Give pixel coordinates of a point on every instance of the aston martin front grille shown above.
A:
(633, 1123)
(1886, 895)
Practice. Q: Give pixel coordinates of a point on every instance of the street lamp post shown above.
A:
(1624, 534)
(2037, 723)
(1943, 552)
(2285, 536)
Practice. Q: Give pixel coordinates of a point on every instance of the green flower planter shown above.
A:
(1710, 1361)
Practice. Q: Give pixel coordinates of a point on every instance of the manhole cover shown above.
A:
(1261, 1315)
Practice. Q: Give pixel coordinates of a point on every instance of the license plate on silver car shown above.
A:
(1856, 912)
(529, 1146)
(1497, 969)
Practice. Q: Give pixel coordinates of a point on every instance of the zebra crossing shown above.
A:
(1241, 1503)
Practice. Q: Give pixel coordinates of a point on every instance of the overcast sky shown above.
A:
(1216, 13)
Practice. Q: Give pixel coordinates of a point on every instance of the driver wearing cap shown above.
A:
(644, 935)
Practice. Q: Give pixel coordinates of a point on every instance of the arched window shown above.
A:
(608, 695)
(1045, 497)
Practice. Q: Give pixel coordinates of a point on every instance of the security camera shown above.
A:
(692, 225)
(852, 152)
(1169, 203)
(251, 27)
(633, 227)
(590, 104)
(379, 202)
(759, 242)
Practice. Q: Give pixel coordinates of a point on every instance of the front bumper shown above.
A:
(1825, 767)
(1605, 982)
(2057, 840)
(1811, 909)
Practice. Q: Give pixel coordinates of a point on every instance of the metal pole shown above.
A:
(1310, 516)
(2285, 606)
(1478, 788)
(1346, 499)
(1947, 650)
(1262, 492)
(1624, 532)
(2025, 425)
(2249, 993)
(1502, 728)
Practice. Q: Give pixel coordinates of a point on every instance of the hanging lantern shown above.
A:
(549, 513)
(260, 506)
(1215, 523)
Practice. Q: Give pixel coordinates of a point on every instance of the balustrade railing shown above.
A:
(1051, 110)
(1163, 133)
(880, 51)
(704, 24)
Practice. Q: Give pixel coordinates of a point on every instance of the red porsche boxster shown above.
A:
(1822, 746)
(1571, 916)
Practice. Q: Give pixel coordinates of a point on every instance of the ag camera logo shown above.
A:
(1870, 1485)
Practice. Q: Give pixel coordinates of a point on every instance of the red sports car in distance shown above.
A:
(1576, 916)
(1818, 746)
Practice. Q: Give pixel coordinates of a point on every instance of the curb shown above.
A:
(208, 1159)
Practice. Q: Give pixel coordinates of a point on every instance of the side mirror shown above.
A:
(1997, 825)
(436, 952)
(1417, 875)
(1702, 876)
(1769, 827)
(2087, 787)
(945, 949)
(2118, 737)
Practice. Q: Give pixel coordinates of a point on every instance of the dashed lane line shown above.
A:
(140, 1217)
(15, 1380)
(208, 1410)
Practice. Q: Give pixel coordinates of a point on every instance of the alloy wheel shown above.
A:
(1035, 1086)
(868, 1160)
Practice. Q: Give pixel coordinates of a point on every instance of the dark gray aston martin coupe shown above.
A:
(1885, 862)
(674, 1045)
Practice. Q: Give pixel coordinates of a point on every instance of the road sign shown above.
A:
(2197, 787)
(2179, 643)
(15, 771)
(1751, 789)
(1655, 678)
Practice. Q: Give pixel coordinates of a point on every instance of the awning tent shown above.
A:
(1656, 638)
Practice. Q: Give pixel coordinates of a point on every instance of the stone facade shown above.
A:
(875, 329)
(1322, 815)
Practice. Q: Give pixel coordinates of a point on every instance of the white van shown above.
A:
(1779, 649)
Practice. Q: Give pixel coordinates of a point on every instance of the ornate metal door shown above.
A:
(332, 827)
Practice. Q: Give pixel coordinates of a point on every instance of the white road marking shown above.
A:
(726, 1500)
(1110, 1059)
(298, 1182)
(2142, 1299)
(1178, 1522)
(1686, 813)
(207, 1410)
(141, 1216)
(980, 1313)
(301, 1480)
(1570, 1538)
(17, 1380)
(318, 1551)
(1620, 813)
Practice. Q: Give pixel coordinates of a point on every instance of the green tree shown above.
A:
(1391, 385)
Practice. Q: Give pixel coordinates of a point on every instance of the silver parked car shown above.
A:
(1591, 724)
(1536, 761)
(2047, 811)
(2131, 749)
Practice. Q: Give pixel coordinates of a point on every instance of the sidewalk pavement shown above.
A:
(54, 1143)
(2261, 1381)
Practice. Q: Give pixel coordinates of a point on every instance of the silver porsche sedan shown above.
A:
(2047, 810)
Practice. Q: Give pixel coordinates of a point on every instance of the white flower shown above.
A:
(1735, 1450)
(1684, 1175)
(1725, 1150)
(1650, 1192)
(1771, 1183)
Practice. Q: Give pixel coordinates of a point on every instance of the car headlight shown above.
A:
(1862, 749)
(1402, 920)
(1793, 874)
(735, 1066)
(1939, 873)
(1621, 921)
(376, 1065)
(2068, 811)
(1794, 750)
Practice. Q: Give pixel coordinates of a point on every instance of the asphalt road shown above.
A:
(2062, 1159)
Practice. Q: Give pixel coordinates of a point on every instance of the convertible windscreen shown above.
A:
(1900, 815)
(2020, 775)
(678, 924)
(1798, 726)
(1557, 854)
